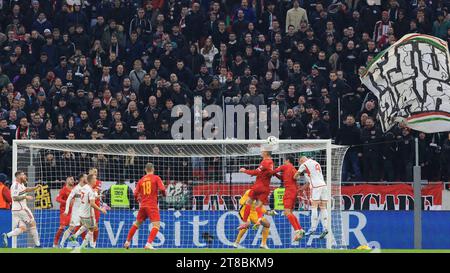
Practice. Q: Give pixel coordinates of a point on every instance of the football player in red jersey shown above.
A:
(64, 219)
(290, 193)
(260, 191)
(146, 193)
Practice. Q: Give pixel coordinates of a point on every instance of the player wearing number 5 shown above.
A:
(319, 195)
(146, 193)
(21, 214)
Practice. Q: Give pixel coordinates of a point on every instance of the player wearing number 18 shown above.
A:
(146, 193)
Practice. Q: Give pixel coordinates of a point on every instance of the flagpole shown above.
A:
(417, 200)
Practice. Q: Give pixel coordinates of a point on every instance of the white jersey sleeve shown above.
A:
(313, 169)
(75, 195)
(18, 189)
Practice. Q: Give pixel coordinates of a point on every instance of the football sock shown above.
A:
(35, 236)
(131, 232)
(294, 221)
(314, 218)
(58, 235)
(15, 232)
(324, 218)
(265, 235)
(240, 234)
(87, 239)
(66, 235)
(152, 235)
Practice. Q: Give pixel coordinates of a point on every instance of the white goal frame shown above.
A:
(326, 142)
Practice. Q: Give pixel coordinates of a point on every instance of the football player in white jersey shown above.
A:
(86, 209)
(319, 193)
(74, 199)
(21, 214)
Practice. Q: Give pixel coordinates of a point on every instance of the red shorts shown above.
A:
(289, 199)
(259, 193)
(146, 212)
(64, 220)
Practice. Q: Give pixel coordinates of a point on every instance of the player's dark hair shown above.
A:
(290, 159)
(81, 176)
(16, 174)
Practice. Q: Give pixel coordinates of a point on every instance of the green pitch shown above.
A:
(209, 250)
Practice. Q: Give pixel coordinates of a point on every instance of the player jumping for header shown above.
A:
(290, 194)
(319, 195)
(260, 191)
(146, 193)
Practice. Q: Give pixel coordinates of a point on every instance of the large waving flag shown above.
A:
(411, 79)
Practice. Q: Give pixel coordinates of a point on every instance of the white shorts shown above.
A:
(88, 222)
(22, 217)
(319, 194)
(75, 219)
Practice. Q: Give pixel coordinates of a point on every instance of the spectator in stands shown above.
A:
(295, 15)
(446, 158)
(372, 138)
(349, 134)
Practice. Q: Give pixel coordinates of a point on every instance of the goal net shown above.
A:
(204, 187)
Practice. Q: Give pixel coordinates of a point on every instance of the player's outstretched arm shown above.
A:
(31, 189)
(22, 197)
(251, 172)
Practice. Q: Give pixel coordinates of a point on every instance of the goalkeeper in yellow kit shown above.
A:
(253, 217)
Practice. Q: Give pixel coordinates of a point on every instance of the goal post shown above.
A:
(203, 183)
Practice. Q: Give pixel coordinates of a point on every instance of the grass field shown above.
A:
(210, 250)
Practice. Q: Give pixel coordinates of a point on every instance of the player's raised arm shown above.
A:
(18, 195)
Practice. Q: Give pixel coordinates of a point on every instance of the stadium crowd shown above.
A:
(103, 69)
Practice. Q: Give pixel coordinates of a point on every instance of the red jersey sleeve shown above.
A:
(137, 190)
(161, 186)
(61, 198)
